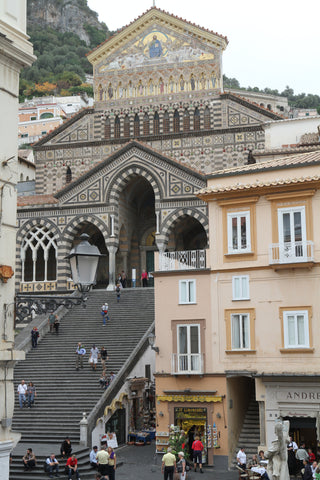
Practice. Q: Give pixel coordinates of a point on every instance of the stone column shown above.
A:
(112, 249)
(262, 420)
(5, 449)
(83, 430)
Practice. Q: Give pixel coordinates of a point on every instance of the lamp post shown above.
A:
(84, 260)
(151, 340)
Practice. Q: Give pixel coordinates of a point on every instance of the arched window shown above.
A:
(39, 255)
(27, 179)
(68, 175)
(126, 126)
(186, 120)
(107, 128)
(206, 119)
(156, 124)
(21, 177)
(166, 122)
(176, 121)
(146, 124)
(136, 125)
(117, 127)
(196, 119)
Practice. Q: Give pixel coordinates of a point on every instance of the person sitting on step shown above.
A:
(29, 460)
(52, 465)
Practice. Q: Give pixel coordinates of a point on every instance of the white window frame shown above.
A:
(292, 250)
(238, 215)
(189, 354)
(295, 313)
(241, 296)
(188, 282)
(241, 348)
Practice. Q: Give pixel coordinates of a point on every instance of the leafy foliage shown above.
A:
(300, 100)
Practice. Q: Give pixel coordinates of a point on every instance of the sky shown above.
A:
(271, 44)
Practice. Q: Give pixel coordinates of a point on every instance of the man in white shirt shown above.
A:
(52, 465)
(22, 389)
(242, 458)
(93, 457)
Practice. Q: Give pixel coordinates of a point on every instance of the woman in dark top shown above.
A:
(66, 448)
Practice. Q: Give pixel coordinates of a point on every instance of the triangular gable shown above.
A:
(175, 180)
(236, 106)
(76, 129)
(173, 29)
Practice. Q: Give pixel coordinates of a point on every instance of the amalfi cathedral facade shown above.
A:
(126, 171)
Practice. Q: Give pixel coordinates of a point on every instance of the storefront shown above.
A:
(191, 416)
(293, 399)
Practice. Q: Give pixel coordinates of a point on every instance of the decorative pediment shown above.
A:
(170, 179)
(156, 36)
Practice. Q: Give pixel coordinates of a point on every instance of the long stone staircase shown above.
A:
(250, 432)
(64, 393)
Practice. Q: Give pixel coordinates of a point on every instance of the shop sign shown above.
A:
(296, 395)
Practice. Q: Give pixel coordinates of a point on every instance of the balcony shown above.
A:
(184, 260)
(291, 252)
(187, 363)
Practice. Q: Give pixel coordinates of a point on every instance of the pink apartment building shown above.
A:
(237, 324)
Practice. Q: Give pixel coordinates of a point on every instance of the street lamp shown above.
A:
(151, 340)
(84, 260)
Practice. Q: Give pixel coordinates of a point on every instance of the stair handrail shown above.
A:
(118, 382)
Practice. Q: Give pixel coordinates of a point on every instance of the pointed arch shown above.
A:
(146, 124)
(207, 118)
(166, 122)
(176, 121)
(117, 127)
(186, 120)
(68, 175)
(107, 128)
(136, 125)
(126, 126)
(196, 119)
(156, 123)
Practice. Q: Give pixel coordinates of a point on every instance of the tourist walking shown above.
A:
(103, 357)
(104, 313)
(112, 464)
(123, 279)
(181, 466)
(197, 448)
(103, 459)
(29, 460)
(118, 292)
(94, 354)
(72, 466)
(52, 465)
(93, 457)
(80, 352)
(32, 394)
(34, 337)
(168, 465)
(144, 278)
(66, 448)
(51, 320)
(57, 325)
(22, 391)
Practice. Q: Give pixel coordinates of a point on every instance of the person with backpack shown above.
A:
(34, 337)
(197, 448)
(104, 313)
(118, 292)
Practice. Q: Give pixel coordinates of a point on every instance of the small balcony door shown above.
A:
(189, 358)
(292, 234)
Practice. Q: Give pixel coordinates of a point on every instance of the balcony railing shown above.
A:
(291, 252)
(187, 363)
(184, 260)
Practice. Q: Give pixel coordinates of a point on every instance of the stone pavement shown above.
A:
(142, 463)
(137, 463)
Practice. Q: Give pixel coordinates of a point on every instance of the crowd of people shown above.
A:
(301, 461)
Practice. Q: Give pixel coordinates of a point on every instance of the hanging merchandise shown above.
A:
(215, 436)
(209, 436)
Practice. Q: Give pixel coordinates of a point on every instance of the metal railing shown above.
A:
(291, 252)
(187, 363)
(184, 260)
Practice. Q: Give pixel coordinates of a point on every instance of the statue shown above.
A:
(278, 454)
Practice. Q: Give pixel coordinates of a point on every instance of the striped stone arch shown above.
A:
(121, 180)
(173, 218)
(71, 229)
(68, 235)
(22, 232)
